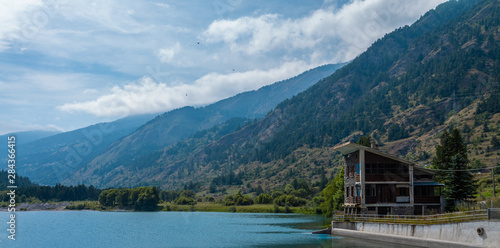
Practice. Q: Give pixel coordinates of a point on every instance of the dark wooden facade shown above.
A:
(378, 183)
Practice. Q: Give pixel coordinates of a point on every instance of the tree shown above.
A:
(264, 199)
(495, 143)
(212, 188)
(459, 184)
(365, 140)
(148, 199)
(396, 132)
(451, 160)
(333, 195)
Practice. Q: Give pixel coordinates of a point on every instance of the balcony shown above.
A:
(402, 199)
(353, 200)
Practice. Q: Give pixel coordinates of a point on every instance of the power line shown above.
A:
(486, 168)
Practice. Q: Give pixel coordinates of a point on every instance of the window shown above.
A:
(424, 191)
(371, 190)
(368, 168)
(403, 192)
(382, 168)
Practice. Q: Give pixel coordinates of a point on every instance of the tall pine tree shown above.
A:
(452, 161)
(459, 184)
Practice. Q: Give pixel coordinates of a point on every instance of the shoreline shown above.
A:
(164, 207)
(44, 206)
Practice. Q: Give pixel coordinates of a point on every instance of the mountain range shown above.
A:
(441, 72)
(56, 159)
(409, 86)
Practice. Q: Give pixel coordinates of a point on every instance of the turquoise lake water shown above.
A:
(169, 229)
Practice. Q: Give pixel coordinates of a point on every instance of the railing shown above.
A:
(353, 199)
(402, 199)
(485, 214)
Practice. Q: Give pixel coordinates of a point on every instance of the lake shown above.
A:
(169, 229)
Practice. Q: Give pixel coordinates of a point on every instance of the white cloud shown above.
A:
(163, 5)
(15, 19)
(356, 25)
(148, 96)
(10, 127)
(167, 55)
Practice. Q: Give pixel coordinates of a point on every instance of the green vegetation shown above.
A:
(333, 195)
(139, 199)
(84, 205)
(365, 140)
(451, 162)
(238, 199)
(32, 193)
(298, 196)
(218, 207)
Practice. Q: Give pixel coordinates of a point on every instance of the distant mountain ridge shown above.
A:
(44, 166)
(25, 137)
(52, 158)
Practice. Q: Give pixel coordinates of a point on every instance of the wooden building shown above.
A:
(378, 183)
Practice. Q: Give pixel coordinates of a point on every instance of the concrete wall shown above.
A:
(444, 235)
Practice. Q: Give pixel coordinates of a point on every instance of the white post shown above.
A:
(412, 194)
(362, 176)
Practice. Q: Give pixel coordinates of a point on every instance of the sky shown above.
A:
(67, 64)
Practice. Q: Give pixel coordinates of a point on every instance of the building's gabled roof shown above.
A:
(350, 147)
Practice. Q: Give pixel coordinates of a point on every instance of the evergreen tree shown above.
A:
(365, 140)
(459, 184)
(451, 155)
(495, 143)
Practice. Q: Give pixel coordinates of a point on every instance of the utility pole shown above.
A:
(493, 180)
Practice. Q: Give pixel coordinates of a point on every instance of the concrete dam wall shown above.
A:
(464, 234)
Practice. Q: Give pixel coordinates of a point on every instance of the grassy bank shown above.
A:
(217, 207)
(199, 207)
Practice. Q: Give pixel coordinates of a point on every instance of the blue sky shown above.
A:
(66, 64)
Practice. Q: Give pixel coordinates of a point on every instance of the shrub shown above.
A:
(183, 200)
(289, 200)
(263, 199)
